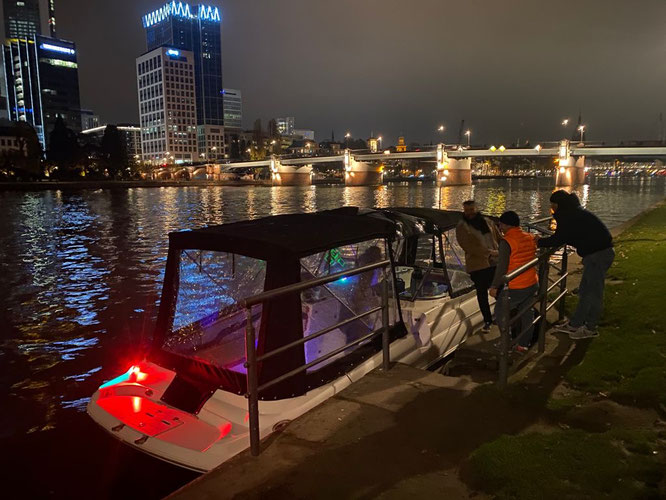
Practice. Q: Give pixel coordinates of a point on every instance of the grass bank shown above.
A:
(620, 385)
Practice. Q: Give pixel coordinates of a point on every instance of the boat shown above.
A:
(326, 293)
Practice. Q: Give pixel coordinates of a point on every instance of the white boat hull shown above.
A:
(131, 410)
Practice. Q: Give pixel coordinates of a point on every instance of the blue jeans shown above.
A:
(517, 299)
(591, 289)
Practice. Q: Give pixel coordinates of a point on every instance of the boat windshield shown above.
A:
(425, 279)
(208, 323)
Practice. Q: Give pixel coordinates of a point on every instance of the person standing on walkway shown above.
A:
(516, 249)
(592, 240)
(479, 238)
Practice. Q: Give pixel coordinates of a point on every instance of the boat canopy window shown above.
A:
(425, 279)
(208, 324)
(455, 267)
(342, 300)
(200, 329)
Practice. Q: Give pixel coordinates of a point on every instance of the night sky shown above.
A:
(512, 69)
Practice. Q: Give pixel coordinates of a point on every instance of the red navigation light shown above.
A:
(226, 429)
(139, 376)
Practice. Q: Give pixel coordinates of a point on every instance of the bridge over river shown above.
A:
(453, 166)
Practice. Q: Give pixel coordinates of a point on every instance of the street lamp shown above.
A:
(565, 122)
(441, 129)
(581, 129)
(468, 134)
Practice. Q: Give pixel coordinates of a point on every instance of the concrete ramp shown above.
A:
(391, 435)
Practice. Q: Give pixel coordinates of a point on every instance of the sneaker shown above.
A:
(562, 322)
(567, 328)
(486, 327)
(583, 333)
(521, 349)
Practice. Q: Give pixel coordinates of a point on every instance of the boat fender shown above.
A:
(281, 425)
(421, 330)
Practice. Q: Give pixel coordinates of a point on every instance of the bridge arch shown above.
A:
(182, 174)
(200, 173)
(162, 174)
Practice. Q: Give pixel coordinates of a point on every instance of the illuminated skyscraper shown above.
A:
(22, 18)
(42, 83)
(52, 23)
(167, 106)
(195, 28)
(233, 108)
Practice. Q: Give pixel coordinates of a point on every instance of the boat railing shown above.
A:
(552, 259)
(252, 360)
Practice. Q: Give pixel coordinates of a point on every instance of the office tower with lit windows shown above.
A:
(42, 83)
(197, 29)
(286, 125)
(22, 19)
(167, 106)
(233, 108)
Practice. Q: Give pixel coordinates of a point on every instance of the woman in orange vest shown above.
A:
(517, 248)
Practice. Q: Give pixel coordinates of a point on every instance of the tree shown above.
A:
(258, 150)
(113, 152)
(275, 137)
(30, 149)
(63, 149)
(258, 134)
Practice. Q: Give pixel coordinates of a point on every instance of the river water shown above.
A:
(81, 273)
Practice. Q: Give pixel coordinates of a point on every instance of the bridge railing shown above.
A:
(549, 262)
(252, 360)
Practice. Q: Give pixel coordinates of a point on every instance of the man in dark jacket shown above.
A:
(584, 231)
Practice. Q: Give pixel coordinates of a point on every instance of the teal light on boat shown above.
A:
(125, 377)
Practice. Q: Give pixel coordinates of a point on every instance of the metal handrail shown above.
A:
(304, 285)
(252, 360)
(316, 335)
(325, 357)
(541, 298)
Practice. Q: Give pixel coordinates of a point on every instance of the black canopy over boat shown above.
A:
(209, 272)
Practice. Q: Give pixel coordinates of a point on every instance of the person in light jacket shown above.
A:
(479, 238)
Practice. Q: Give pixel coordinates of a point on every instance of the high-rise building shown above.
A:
(42, 83)
(195, 28)
(286, 125)
(52, 23)
(233, 108)
(89, 119)
(22, 19)
(167, 106)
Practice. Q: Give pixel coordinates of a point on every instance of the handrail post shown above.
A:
(505, 340)
(385, 323)
(563, 284)
(252, 383)
(543, 301)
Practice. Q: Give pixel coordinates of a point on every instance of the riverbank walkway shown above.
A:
(586, 419)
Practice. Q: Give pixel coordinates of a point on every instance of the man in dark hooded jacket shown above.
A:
(584, 231)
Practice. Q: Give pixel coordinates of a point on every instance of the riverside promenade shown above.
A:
(586, 419)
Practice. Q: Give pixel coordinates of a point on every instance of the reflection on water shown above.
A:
(81, 279)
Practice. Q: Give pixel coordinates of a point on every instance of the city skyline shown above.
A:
(510, 73)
